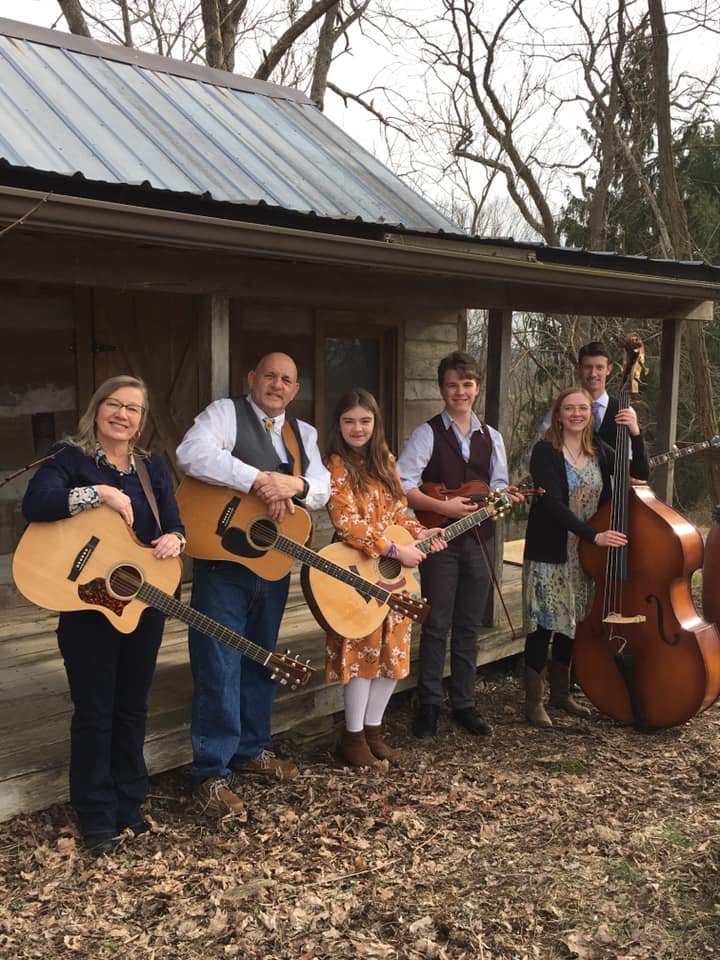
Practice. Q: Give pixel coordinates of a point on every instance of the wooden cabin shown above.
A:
(175, 222)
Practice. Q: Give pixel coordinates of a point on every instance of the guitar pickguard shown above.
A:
(95, 592)
(235, 541)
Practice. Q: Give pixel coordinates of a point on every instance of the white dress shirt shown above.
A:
(205, 452)
(419, 448)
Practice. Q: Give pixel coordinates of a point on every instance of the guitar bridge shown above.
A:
(82, 558)
(227, 515)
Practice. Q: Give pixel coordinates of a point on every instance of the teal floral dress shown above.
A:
(557, 595)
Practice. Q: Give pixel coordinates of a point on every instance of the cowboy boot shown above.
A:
(354, 750)
(378, 747)
(534, 695)
(560, 691)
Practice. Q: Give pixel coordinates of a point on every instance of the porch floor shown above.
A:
(35, 706)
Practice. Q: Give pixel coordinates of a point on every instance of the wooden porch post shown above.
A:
(497, 388)
(214, 348)
(666, 414)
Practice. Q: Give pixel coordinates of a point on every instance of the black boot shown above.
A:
(471, 720)
(426, 721)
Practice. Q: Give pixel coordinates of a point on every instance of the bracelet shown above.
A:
(393, 551)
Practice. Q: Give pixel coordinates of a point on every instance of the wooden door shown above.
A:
(154, 336)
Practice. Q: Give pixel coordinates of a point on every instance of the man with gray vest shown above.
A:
(250, 445)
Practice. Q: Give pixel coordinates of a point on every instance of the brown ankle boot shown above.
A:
(534, 695)
(378, 747)
(560, 690)
(353, 749)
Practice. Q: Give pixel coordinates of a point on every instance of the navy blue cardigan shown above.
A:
(550, 516)
(46, 497)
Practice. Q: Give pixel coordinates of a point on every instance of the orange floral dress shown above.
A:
(360, 521)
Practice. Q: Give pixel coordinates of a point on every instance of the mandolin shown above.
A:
(94, 561)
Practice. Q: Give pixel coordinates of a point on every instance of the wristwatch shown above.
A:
(305, 490)
(181, 538)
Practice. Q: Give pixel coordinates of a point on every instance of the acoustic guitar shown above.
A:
(340, 610)
(224, 524)
(94, 561)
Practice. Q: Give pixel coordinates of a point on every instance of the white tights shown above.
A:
(365, 702)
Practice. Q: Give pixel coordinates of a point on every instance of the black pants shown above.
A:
(109, 674)
(456, 582)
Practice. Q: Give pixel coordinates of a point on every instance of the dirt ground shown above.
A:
(589, 840)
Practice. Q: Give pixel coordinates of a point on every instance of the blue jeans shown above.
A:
(232, 694)
(109, 674)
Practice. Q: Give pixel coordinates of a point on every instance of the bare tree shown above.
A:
(679, 231)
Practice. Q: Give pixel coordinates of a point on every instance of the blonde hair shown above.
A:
(554, 433)
(84, 437)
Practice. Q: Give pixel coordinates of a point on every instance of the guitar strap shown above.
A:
(144, 478)
(293, 447)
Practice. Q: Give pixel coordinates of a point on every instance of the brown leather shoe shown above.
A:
(380, 749)
(266, 764)
(214, 797)
(354, 750)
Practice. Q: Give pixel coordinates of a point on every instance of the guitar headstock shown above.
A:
(416, 610)
(287, 670)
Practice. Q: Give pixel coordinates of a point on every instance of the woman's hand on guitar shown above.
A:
(168, 545)
(408, 554)
(610, 538)
(116, 500)
(438, 540)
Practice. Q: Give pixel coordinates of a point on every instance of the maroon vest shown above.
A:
(447, 465)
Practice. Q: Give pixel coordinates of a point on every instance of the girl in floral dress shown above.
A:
(366, 498)
(574, 466)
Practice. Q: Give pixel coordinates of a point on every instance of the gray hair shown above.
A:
(84, 438)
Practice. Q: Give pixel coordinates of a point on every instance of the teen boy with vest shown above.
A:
(250, 445)
(453, 448)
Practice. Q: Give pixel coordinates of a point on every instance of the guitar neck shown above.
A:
(677, 454)
(313, 559)
(460, 526)
(180, 611)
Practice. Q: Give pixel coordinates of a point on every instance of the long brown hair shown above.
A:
(554, 432)
(84, 438)
(376, 462)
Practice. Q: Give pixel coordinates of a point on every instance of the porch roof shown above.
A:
(105, 114)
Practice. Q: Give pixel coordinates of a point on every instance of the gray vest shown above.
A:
(254, 446)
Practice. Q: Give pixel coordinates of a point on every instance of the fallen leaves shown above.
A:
(587, 841)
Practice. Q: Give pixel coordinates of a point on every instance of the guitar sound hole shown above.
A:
(262, 533)
(124, 581)
(389, 567)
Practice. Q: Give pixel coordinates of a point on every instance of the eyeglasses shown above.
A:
(133, 409)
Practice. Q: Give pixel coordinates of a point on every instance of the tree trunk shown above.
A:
(323, 58)
(72, 11)
(676, 213)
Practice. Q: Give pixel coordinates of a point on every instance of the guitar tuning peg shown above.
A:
(307, 662)
(283, 682)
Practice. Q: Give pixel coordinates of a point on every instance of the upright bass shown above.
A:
(644, 655)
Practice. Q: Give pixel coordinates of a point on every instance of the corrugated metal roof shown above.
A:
(78, 107)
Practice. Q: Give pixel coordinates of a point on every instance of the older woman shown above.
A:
(109, 673)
